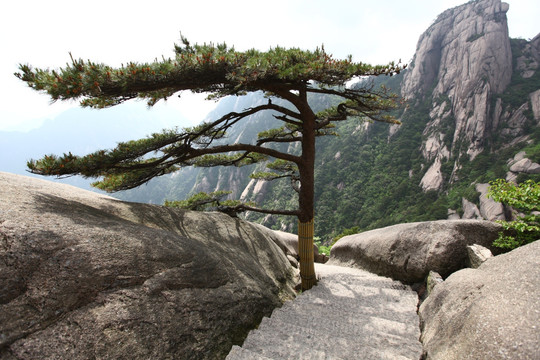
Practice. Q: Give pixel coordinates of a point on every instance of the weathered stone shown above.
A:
(486, 313)
(535, 101)
(432, 280)
(489, 208)
(433, 177)
(466, 55)
(478, 255)
(293, 261)
(525, 166)
(83, 276)
(453, 215)
(529, 61)
(408, 252)
(470, 210)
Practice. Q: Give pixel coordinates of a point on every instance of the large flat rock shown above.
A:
(83, 276)
(407, 252)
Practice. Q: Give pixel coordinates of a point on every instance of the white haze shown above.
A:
(42, 33)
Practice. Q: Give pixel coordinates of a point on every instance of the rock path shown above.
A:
(350, 314)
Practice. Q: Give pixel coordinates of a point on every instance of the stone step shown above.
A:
(350, 310)
(357, 324)
(318, 313)
(357, 300)
(277, 345)
(239, 353)
(345, 342)
(350, 314)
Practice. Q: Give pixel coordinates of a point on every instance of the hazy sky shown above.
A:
(42, 33)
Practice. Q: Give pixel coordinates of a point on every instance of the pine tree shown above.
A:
(219, 70)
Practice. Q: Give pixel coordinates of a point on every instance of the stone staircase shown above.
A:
(350, 314)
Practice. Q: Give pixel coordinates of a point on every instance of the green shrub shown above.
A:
(351, 231)
(524, 198)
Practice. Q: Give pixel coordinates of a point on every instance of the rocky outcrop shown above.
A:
(407, 252)
(489, 208)
(529, 61)
(433, 178)
(520, 164)
(433, 279)
(470, 210)
(83, 276)
(486, 313)
(478, 255)
(288, 243)
(465, 57)
(461, 62)
(525, 166)
(535, 101)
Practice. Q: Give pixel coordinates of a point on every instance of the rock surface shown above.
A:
(83, 276)
(487, 313)
(407, 252)
(470, 210)
(478, 255)
(525, 166)
(350, 314)
(489, 208)
(466, 56)
(433, 279)
(521, 164)
(288, 243)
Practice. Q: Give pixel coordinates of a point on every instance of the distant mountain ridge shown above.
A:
(82, 131)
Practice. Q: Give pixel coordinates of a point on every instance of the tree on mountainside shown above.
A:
(288, 74)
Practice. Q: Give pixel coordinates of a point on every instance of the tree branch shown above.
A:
(220, 149)
(243, 207)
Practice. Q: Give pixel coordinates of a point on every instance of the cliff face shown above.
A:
(462, 66)
(464, 44)
(461, 61)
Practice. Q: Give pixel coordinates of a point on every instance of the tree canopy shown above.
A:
(219, 71)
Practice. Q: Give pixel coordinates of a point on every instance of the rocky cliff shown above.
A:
(462, 66)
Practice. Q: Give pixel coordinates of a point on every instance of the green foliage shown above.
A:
(200, 201)
(288, 75)
(346, 232)
(217, 69)
(524, 198)
(323, 249)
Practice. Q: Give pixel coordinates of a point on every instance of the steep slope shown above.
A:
(463, 63)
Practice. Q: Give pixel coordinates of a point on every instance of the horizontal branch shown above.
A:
(244, 207)
(279, 140)
(285, 119)
(222, 149)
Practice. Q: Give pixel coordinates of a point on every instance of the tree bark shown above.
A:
(307, 257)
(306, 169)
